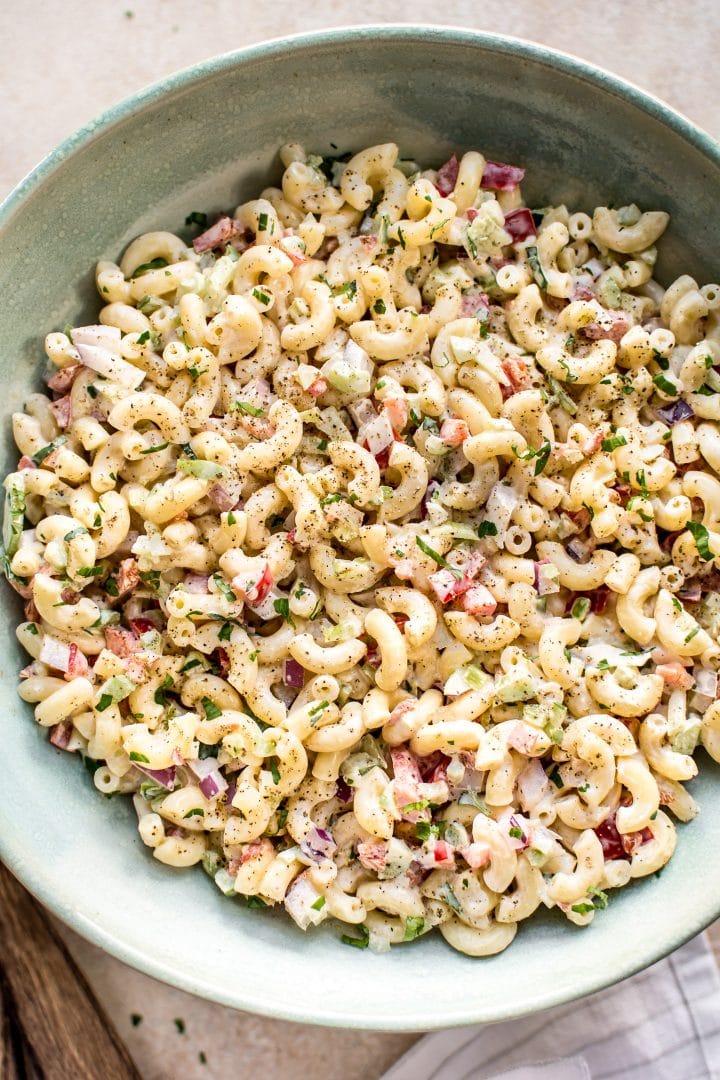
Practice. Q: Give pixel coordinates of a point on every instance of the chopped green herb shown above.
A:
(516, 833)
(600, 898)
(262, 222)
(154, 264)
(414, 926)
(580, 608)
(471, 798)
(91, 571)
(159, 696)
(134, 756)
(254, 902)
(487, 528)
(190, 665)
(536, 267)
(196, 217)
(357, 942)
(196, 811)
(246, 408)
(136, 1019)
(104, 703)
(282, 607)
(155, 449)
(449, 897)
(261, 297)
(556, 779)
(224, 588)
(583, 909)
(379, 307)
(211, 709)
(701, 536)
(437, 558)
(149, 304)
(80, 531)
(612, 443)
(319, 904)
(542, 456)
(45, 451)
(665, 385)
(180, 1025)
(349, 290)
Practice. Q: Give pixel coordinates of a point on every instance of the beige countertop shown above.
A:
(70, 59)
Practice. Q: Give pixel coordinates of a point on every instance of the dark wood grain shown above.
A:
(51, 1025)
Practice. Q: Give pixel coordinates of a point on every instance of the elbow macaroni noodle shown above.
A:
(371, 541)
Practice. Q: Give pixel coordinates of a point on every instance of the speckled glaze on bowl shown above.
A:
(204, 139)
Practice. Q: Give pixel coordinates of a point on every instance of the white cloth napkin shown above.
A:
(663, 1024)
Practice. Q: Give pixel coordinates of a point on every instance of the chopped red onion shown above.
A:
(196, 583)
(519, 223)
(207, 770)
(675, 413)
(516, 822)
(217, 235)
(221, 497)
(500, 177)
(164, 777)
(447, 176)
(213, 785)
(61, 734)
(286, 694)
(706, 682)
(294, 674)
(318, 844)
(578, 551)
(343, 791)
(203, 766)
(378, 434)
(362, 411)
(691, 592)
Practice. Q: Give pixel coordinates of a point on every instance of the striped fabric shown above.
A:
(663, 1024)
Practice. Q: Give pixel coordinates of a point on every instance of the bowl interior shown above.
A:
(204, 142)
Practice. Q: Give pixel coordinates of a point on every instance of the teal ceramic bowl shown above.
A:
(202, 140)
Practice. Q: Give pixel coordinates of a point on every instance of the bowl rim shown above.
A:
(40, 883)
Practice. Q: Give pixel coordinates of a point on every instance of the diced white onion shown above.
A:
(54, 653)
(110, 366)
(105, 337)
(378, 434)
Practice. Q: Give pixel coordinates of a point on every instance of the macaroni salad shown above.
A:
(370, 541)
